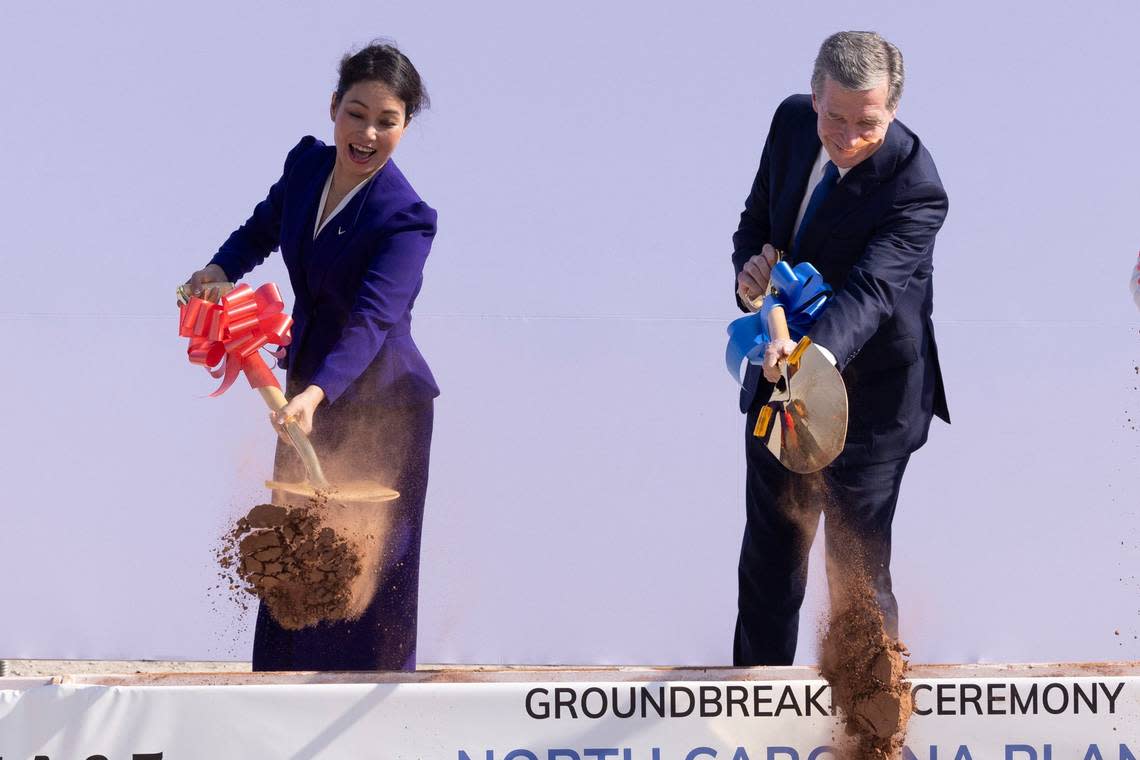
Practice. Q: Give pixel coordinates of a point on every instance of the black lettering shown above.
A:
(914, 698)
(147, 756)
(1028, 707)
(710, 702)
(1053, 688)
(974, 699)
(758, 700)
(564, 698)
(530, 695)
(993, 699)
(585, 706)
(632, 703)
(945, 692)
(812, 699)
(647, 699)
(1112, 701)
(674, 711)
(1079, 696)
(740, 701)
(788, 697)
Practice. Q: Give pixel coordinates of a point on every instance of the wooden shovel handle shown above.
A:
(778, 324)
(275, 400)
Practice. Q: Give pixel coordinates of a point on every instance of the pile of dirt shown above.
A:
(867, 672)
(300, 567)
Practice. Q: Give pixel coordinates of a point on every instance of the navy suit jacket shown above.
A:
(872, 239)
(354, 285)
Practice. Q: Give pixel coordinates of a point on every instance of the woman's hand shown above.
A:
(208, 283)
(301, 410)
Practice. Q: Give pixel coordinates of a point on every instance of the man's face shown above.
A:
(852, 124)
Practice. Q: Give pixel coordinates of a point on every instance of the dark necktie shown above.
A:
(822, 189)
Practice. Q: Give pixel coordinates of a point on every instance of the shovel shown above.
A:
(804, 422)
(315, 484)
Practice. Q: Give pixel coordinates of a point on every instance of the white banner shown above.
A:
(1050, 718)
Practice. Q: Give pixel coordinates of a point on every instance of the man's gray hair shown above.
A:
(859, 61)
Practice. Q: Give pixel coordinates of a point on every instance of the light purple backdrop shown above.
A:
(588, 161)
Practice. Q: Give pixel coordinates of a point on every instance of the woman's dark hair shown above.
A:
(382, 62)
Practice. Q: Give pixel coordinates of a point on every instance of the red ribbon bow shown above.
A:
(225, 337)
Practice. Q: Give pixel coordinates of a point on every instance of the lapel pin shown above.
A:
(340, 230)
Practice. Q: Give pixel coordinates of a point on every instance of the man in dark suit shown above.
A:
(844, 185)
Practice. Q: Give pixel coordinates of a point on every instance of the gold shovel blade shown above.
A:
(808, 418)
(362, 490)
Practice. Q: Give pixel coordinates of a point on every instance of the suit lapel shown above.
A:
(297, 220)
(803, 158)
(337, 234)
(301, 209)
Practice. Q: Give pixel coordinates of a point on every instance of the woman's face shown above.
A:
(368, 122)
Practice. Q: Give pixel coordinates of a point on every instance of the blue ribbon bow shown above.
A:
(803, 294)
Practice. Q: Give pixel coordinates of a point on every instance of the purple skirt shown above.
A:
(388, 444)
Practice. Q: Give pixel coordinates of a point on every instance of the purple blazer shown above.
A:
(354, 285)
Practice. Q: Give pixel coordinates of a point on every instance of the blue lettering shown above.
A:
(815, 753)
(1125, 753)
(566, 753)
(464, 756)
(740, 754)
(599, 752)
(963, 753)
(520, 754)
(700, 751)
(1025, 749)
(773, 751)
(1093, 752)
(908, 754)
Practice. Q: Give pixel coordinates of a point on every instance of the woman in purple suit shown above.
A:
(354, 236)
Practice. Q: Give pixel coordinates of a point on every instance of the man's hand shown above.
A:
(752, 282)
(777, 350)
(208, 283)
(301, 409)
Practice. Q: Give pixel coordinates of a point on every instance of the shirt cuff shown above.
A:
(826, 354)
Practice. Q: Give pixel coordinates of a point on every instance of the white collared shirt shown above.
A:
(814, 177)
(318, 225)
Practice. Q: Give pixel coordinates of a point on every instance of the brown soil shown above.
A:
(867, 672)
(865, 667)
(304, 569)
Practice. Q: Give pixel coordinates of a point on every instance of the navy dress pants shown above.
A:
(364, 442)
(783, 512)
